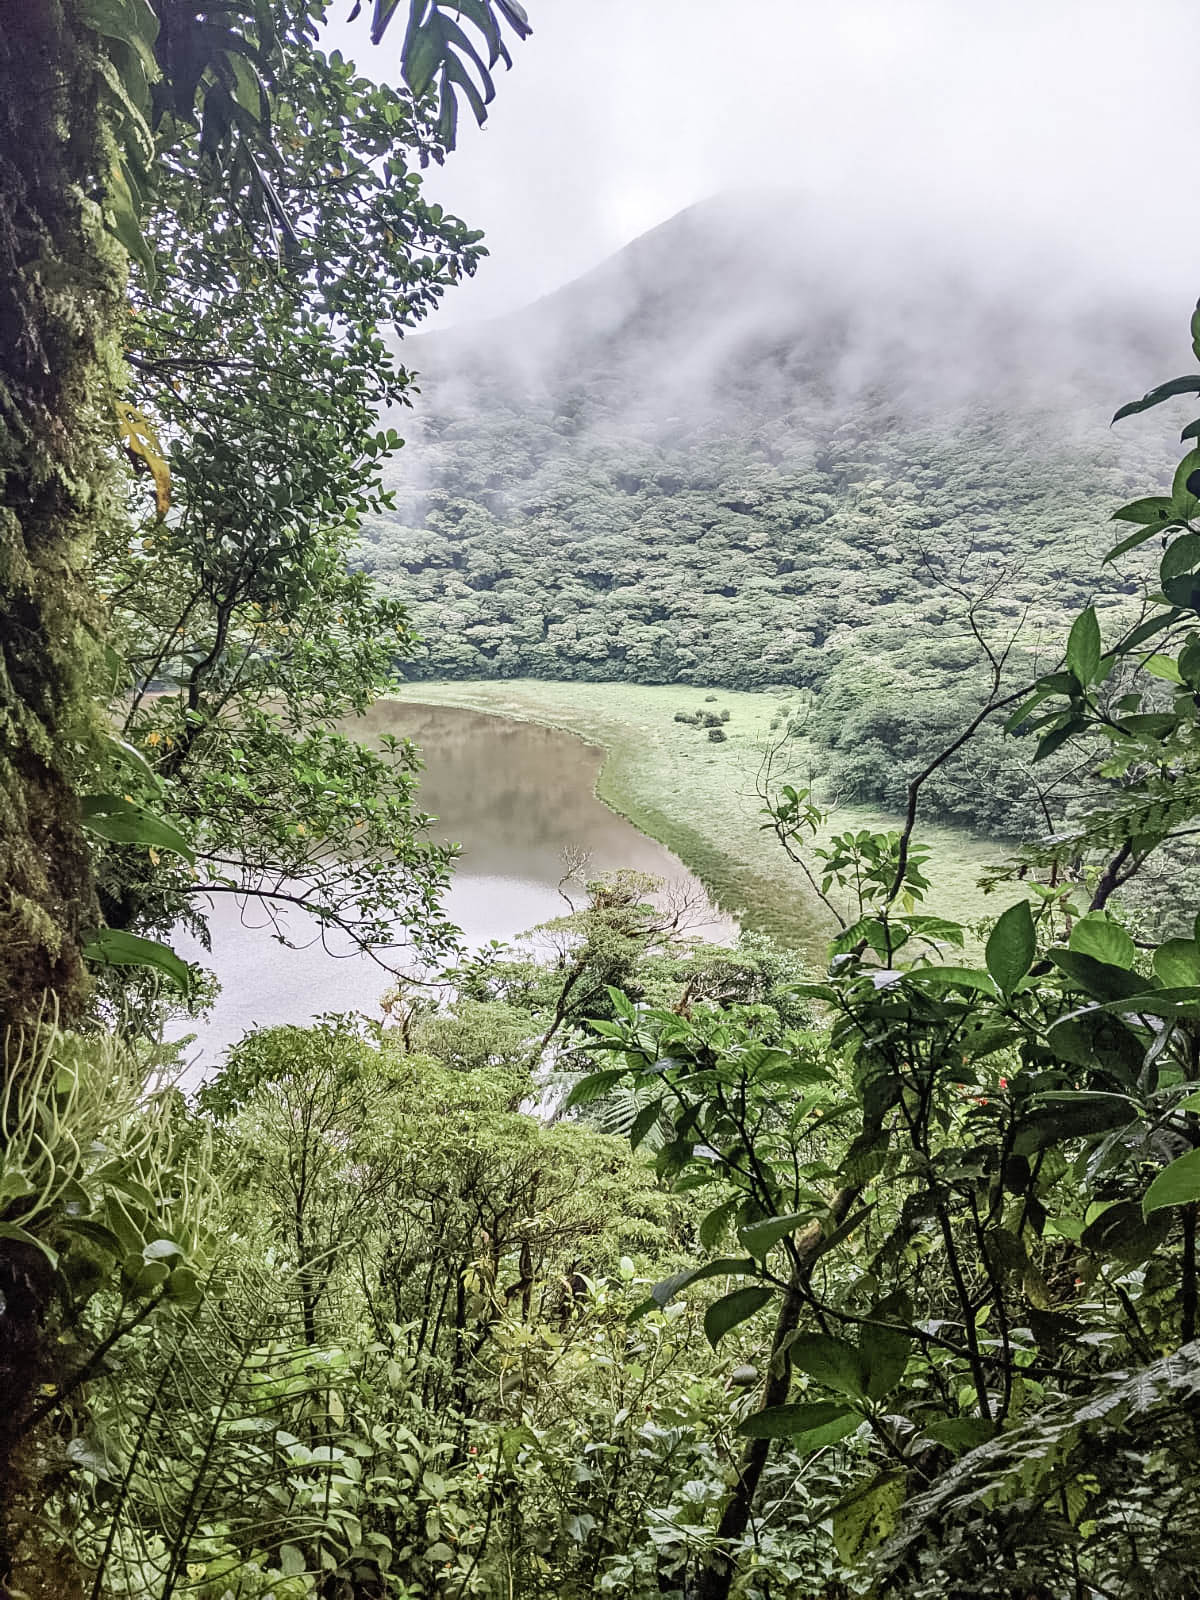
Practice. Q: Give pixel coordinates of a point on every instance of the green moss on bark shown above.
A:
(62, 282)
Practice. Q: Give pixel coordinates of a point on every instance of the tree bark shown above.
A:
(62, 280)
(62, 288)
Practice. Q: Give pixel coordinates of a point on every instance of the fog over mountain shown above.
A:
(765, 445)
(783, 296)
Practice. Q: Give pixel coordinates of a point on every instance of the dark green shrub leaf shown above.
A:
(761, 1237)
(726, 1267)
(733, 1308)
(1083, 647)
(1176, 1185)
(865, 1518)
(113, 947)
(807, 1426)
(831, 1362)
(1011, 947)
(1096, 936)
(1177, 963)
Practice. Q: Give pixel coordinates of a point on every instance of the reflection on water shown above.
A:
(517, 797)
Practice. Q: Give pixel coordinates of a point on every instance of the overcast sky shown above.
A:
(1073, 119)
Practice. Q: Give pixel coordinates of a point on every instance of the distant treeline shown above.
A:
(548, 539)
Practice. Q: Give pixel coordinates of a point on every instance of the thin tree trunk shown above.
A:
(715, 1577)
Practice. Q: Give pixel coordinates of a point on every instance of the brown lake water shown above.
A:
(516, 796)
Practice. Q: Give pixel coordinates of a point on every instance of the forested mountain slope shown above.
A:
(758, 448)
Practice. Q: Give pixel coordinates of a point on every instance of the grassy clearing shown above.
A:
(698, 797)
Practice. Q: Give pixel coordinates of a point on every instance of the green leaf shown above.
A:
(1062, 1118)
(831, 1362)
(1011, 947)
(1155, 397)
(1094, 935)
(1132, 542)
(807, 1426)
(732, 1309)
(1165, 668)
(9, 1230)
(595, 1086)
(1153, 512)
(1099, 978)
(960, 1433)
(725, 1267)
(1121, 1233)
(1177, 963)
(643, 1122)
(761, 1237)
(885, 1350)
(1181, 555)
(111, 816)
(1083, 647)
(935, 978)
(866, 1517)
(713, 1227)
(1176, 1185)
(292, 1561)
(113, 947)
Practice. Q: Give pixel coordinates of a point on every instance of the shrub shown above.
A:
(717, 735)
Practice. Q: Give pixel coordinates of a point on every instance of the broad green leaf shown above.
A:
(1011, 947)
(1121, 1233)
(1063, 1118)
(761, 1237)
(1099, 978)
(866, 1517)
(293, 1563)
(1181, 555)
(1164, 667)
(1176, 1185)
(960, 1433)
(885, 1350)
(732, 1309)
(10, 1230)
(1094, 935)
(113, 947)
(1132, 542)
(726, 1267)
(713, 1227)
(111, 816)
(643, 1122)
(831, 1362)
(808, 1426)
(1155, 397)
(936, 978)
(1177, 964)
(1083, 647)
(1154, 511)
(595, 1086)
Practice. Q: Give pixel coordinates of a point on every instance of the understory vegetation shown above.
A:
(609, 1262)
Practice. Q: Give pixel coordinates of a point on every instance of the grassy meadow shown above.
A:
(699, 797)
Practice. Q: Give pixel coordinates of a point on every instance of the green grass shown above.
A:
(699, 798)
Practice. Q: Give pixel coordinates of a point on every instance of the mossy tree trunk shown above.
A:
(62, 281)
(61, 302)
